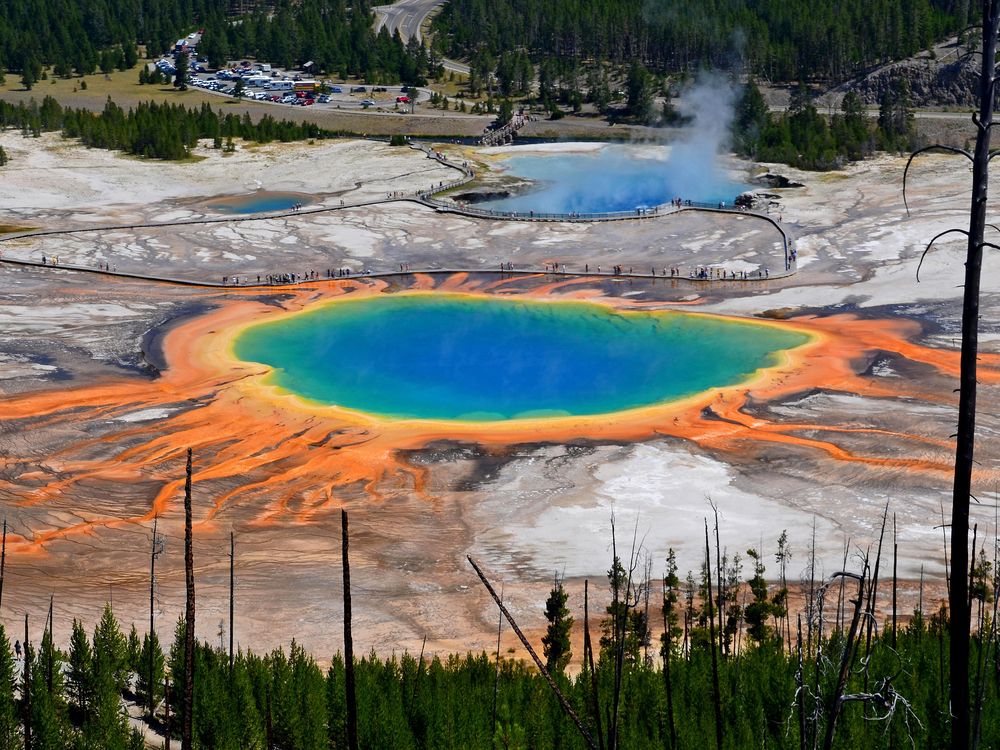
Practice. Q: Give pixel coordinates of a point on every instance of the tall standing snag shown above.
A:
(716, 694)
(156, 547)
(352, 700)
(188, 702)
(958, 601)
(26, 691)
(3, 560)
(232, 595)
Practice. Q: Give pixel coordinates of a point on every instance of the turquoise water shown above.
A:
(453, 357)
(615, 178)
(260, 202)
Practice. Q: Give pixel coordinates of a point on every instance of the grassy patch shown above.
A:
(11, 228)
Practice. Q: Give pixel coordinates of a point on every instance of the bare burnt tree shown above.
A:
(567, 708)
(588, 664)
(26, 689)
(156, 547)
(496, 673)
(958, 595)
(716, 694)
(232, 605)
(3, 560)
(187, 736)
(352, 700)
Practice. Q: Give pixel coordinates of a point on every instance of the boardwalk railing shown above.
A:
(427, 198)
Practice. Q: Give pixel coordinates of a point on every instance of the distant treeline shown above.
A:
(779, 40)
(80, 36)
(805, 138)
(336, 37)
(151, 130)
(70, 34)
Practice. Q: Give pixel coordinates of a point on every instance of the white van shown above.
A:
(282, 85)
(257, 82)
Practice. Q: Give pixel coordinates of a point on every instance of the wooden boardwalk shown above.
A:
(424, 198)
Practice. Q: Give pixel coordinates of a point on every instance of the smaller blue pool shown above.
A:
(614, 179)
(262, 201)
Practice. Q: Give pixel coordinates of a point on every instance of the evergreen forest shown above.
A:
(776, 40)
(658, 675)
(78, 37)
(152, 130)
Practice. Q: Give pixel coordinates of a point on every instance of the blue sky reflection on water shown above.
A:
(616, 178)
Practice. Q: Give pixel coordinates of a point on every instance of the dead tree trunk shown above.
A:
(187, 720)
(496, 672)
(232, 606)
(3, 560)
(966, 437)
(50, 655)
(668, 647)
(716, 697)
(166, 716)
(895, 558)
(800, 684)
(567, 708)
(26, 694)
(152, 584)
(846, 659)
(588, 655)
(352, 700)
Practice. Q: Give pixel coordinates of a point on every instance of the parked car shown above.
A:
(404, 89)
(323, 99)
(367, 102)
(379, 90)
(358, 90)
(402, 99)
(336, 90)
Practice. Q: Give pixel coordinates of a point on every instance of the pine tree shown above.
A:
(29, 75)
(151, 643)
(760, 609)
(10, 734)
(79, 677)
(110, 647)
(130, 56)
(48, 730)
(180, 77)
(556, 642)
(175, 665)
(640, 95)
(132, 648)
(752, 120)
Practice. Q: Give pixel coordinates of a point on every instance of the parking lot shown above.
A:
(261, 82)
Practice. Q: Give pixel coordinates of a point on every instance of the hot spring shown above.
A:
(456, 357)
(615, 178)
(262, 201)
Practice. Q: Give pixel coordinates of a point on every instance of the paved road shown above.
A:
(406, 17)
(872, 112)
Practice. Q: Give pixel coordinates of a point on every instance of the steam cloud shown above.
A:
(693, 164)
(616, 178)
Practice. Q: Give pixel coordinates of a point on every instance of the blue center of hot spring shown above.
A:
(614, 179)
(473, 358)
(261, 202)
